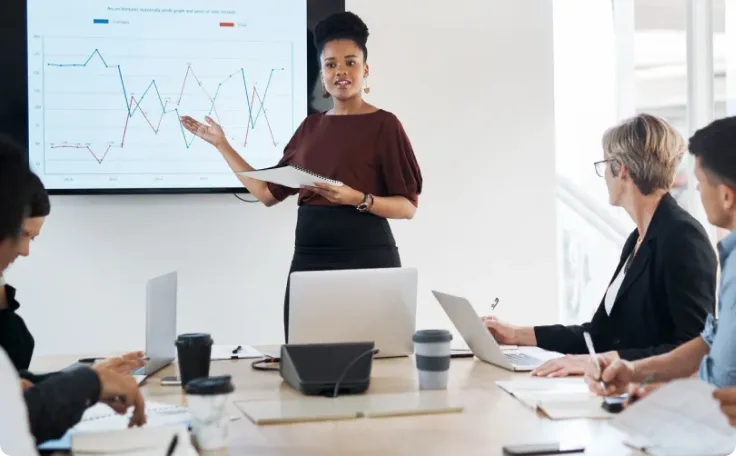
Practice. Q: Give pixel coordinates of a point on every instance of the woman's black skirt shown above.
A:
(339, 237)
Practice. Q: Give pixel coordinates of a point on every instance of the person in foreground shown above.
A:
(664, 286)
(46, 410)
(356, 143)
(711, 355)
(15, 433)
(15, 338)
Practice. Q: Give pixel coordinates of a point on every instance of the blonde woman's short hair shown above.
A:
(649, 147)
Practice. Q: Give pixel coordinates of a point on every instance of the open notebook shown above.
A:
(100, 418)
(558, 398)
(289, 176)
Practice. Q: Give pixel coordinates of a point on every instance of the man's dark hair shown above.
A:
(715, 146)
(14, 193)
(40, 205)
(341, 26)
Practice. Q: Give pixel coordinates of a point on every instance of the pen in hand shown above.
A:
(594, 357)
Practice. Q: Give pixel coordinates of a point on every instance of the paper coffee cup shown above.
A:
(207, 398)
(432, 352)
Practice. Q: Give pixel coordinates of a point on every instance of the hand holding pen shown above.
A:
(605, 376)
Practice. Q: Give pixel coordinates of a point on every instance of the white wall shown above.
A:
(473, 85)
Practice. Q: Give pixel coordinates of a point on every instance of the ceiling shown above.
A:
(671, 14)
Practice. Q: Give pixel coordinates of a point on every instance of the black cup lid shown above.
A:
(426, 336)
(194, 339)
(210, 386)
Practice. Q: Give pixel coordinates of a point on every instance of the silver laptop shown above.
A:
(160, 323)
(479, 339)
(355, 305)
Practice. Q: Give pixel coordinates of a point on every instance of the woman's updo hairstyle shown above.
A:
(341, 26)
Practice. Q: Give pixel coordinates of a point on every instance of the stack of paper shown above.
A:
(101, 418)
(154, 441)
(680, 418)
(558, 398)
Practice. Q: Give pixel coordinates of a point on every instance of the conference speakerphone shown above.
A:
(328, 369)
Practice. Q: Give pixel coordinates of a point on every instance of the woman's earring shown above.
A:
(325, 93)
(366, 87)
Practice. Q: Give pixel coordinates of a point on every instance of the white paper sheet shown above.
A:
(226, 352)
(680, 418)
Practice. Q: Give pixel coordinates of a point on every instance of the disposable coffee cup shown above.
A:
(432, 353)
(194, 351)
(206, 399)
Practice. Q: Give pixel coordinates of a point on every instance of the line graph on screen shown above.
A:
(117, 103)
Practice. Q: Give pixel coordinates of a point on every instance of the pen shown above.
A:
(172, 445)
(237, 349)
(591, 350)
(493, 306)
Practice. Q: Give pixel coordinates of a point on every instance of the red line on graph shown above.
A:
(265, 116)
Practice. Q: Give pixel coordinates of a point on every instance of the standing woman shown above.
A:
(364, 147)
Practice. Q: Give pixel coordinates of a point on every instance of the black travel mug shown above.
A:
(194, 351)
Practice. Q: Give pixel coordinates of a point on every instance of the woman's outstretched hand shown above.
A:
(211, 132)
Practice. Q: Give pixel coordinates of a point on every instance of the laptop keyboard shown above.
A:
(522, 359)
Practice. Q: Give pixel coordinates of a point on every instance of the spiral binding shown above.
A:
(153, 409)
(304, 170)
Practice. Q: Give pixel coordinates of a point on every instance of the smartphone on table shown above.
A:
(539, 449)
(170, 381)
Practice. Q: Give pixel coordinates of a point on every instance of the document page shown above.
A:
(680, 418)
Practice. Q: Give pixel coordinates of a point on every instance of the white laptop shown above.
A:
(355, 305)
(160, 324)
(479, 339)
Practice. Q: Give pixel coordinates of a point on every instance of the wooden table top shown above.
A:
(491, 418)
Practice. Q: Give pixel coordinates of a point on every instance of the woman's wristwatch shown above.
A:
(367, 203)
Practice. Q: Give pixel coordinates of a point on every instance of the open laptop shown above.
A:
(479, 339)
(355, 305)
(161, 293)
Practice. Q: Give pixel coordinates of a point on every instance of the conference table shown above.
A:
(490, 419)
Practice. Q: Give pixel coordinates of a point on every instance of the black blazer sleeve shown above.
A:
(689, 270)
(58, 403)
(563, 339)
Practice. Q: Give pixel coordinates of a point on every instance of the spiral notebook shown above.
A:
(101, 418)
(289, 176)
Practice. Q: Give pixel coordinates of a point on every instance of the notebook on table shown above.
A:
(289, 176)
(349, 407)
(101, 418)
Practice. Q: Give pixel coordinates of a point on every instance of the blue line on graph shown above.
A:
(132, 109)
(100, 21)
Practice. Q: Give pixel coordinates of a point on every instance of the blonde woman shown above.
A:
(664, 285)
